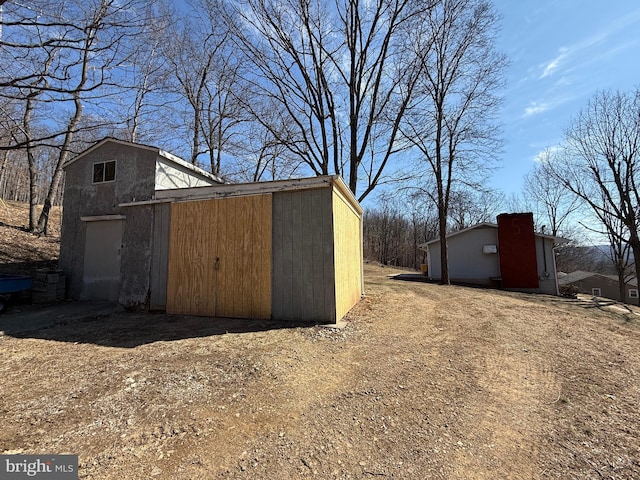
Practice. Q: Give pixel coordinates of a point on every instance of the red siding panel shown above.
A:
(517, 247)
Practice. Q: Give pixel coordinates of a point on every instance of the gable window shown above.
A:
(633, 293)
(104, 172)
(596, 292)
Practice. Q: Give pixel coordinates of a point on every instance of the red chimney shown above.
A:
(517, 247)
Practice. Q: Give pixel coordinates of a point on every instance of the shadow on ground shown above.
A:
(122, 329)
(412, 277)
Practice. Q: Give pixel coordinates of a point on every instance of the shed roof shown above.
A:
(166, 155)
(253, 188)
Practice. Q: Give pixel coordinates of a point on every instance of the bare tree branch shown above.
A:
(600, 164)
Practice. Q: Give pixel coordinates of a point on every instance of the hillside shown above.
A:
(20, 251)
(425, 381)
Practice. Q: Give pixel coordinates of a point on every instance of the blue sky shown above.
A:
(562, 52)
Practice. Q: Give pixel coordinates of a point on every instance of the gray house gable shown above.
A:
(170, 170)
(481, 226)
(97, 233)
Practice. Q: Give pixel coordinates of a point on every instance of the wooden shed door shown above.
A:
(220, 258)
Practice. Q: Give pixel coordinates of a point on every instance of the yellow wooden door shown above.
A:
(220, 258)
(244, 256)
(191, 274)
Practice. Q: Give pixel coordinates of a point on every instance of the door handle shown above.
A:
(216, 265)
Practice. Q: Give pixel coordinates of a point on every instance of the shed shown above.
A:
(285, 250)
(507, 254)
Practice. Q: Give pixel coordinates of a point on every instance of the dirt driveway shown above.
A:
(424, 382)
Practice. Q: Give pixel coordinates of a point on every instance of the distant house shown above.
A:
(504, 255)
(145, 228)
(598, 285)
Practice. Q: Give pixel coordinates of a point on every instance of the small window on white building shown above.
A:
(104, 172)
(633, 293)
(596, 292)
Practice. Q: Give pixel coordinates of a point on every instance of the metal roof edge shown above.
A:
(183, 163)
(491, 225)
(346, 192)
(464, 230)
(235, 189)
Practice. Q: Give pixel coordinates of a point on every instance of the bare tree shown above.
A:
(149, 79)
(553, 202)
(340, 74)
(68, 56)
(451, 118)
(260, 156)
(619, 252)
(205, 72)
(98, 47)
(470, 207)
(424, 225)
(393, 231)
(8, 130)
(601, 160)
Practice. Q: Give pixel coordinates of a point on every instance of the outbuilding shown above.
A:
(285, 250)
(507, 255)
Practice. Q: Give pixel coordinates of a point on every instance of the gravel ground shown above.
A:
(424, 381)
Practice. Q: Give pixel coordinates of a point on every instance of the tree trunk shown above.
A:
(195, 144)
(3, 167)
(621, 283)
(43, 222)
(31, 162)
(33, 188)
(444, 256)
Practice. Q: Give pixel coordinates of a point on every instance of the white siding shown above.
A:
(467, 262)
(546, 266)
(171, 175)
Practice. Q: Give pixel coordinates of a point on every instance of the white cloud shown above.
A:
(535, 108)
(548, 153)
(593, 48)
(550, 100)
(553, 65)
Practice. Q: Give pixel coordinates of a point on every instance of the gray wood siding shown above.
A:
(160, 256)
(303, 271)
(136, 256)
